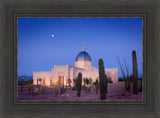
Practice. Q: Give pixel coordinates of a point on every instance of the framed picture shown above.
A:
(80, 59)
(61, 84)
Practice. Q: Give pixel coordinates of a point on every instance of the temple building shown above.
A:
(61, 73)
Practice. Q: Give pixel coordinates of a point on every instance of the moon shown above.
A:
(52, 35)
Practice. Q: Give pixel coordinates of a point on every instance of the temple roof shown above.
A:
(83, 56)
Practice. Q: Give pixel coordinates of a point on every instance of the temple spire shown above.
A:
(83, 47)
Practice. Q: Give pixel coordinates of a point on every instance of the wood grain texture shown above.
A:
(117, 109)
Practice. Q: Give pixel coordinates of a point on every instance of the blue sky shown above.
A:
(104, 38)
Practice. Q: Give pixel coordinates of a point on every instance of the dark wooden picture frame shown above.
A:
(16, 101)
(149, 11)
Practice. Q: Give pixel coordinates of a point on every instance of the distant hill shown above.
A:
(25, 77)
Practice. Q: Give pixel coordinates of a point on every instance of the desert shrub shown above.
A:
(109, 79)
(120, 79)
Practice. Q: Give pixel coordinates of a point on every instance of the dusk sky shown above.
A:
(106, 38)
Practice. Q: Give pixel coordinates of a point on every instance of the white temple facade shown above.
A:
(61, 73)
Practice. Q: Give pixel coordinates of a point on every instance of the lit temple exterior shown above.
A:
(61, 73)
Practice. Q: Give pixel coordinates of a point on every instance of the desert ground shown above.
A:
(48, 93)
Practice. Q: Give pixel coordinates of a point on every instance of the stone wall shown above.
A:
(70, 72)
(113, 73)
(46, 76)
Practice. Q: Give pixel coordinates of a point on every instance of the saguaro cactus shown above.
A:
(79, 84)
(106, 84)
(135, 72)
(102, 80)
